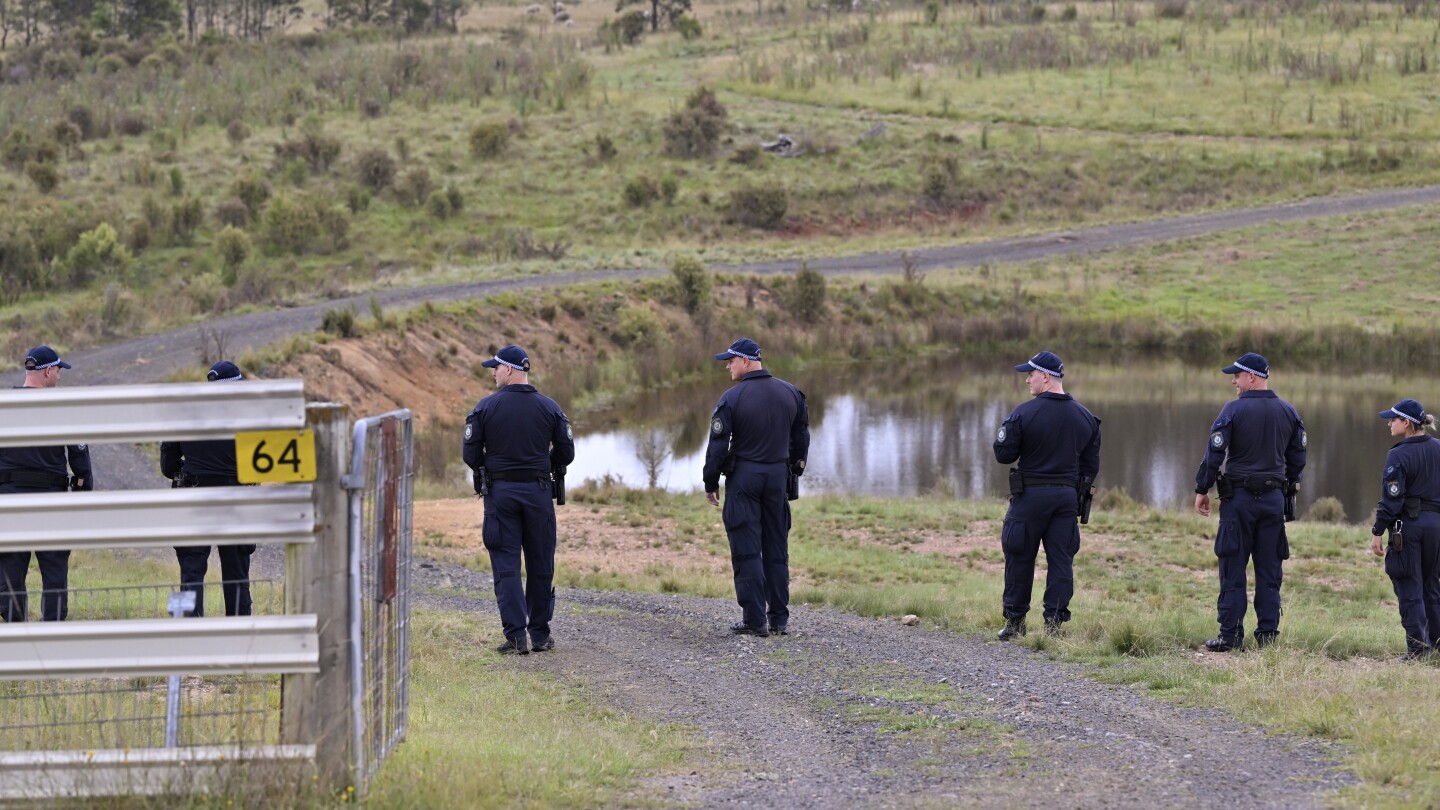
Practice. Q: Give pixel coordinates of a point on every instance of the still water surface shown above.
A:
(925, 425)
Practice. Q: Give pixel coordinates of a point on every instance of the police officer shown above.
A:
(1261, 441)
(1057, 444)
(210, 463)
(759, 438)
(1410, 508)
(41, 469)
(517, 444)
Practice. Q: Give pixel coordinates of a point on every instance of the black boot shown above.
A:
(1014, 628)
(1054, 627)
(1223, 644)
(1263, 640)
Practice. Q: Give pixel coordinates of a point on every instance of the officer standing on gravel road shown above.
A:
(210, 463)
(1260, 439)
(760, 440)
(1057, 444)
(1409, 509)
(517, 445)
(41, 469)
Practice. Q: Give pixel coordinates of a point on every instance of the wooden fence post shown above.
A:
(317, 708)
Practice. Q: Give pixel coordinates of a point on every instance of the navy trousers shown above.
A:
(1415, 573)
(54, 576)
(757, 521)
(234, 571)
(1039, 516)
(1252, 528)
(520, 522)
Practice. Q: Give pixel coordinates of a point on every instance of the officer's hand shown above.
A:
(713, 498)
(1377, 545)
(1202, 505)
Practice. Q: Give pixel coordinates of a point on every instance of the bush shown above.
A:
(489, 139)
(110, 64)
(232, 212)
(17, 150)
(237, 132)
(694, 281)
(414, 187)
(46, 152)
(1328, 509)
(694, 130)
(186, 217)
(334, 224)
(604, 148)
(747, 155)
(669, 189)
(61, 65)
(44, 175)
(131, 124)
(177, 181)
(807, 299)
(253, 190)
(640, 192)
(455, 198)
(339, 322)
(371, 108)
(234, 248)
(375, 169)
(139, 237)
(289, 225)
(67, 134)
(357, 199)
(628, 28)
(82, 118)
(153, 211)
(638, 326)
(437, 205)
(759, 206)
(689, 27)
(1172, 9)
(318, 150)
(97, 252)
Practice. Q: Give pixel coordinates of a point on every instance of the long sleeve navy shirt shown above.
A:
(762, 419)
(518, 429)
(1258, 433)
(1412, 470)
(1052, 435)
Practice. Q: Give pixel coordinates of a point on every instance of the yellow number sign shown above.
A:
(275, 455)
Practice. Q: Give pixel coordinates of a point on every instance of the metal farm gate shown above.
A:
(126, 699)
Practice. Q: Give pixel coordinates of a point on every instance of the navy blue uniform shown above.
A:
(40, 469)
(1412, 471)
(1260, 439)
(1057, 444)
(209, 463)
(519, 435)
(760, 431)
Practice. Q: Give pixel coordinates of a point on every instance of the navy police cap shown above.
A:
(1251, 362)
(224, 371)
(744, 347)
(1407, 409)
(512, 356)
(42, 357)
(1048, 362)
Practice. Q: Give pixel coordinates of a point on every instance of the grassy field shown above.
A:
(338, 159)
(1144, 603)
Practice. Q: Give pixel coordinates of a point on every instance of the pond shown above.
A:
(924, 425)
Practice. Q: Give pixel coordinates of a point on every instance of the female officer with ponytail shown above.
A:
(1410, 509)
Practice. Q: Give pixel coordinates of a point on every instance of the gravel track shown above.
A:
(849, 711)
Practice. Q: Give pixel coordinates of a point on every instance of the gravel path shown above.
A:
(850, 711)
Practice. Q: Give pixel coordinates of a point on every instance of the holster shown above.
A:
(1224, 488)
(1397, 535)
(1087, 497)
(1017, 483)
(481, 480)
(1412, 508)
(792, 487)
(557, 485)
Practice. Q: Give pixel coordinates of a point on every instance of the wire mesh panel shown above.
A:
(381, 481)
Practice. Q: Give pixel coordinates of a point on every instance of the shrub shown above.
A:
(357, 199)
(455, 198)
(44, 175)
(1172, 9)
(234, 248)
(1070, 13)
(237, 132)
(808, 296)
(334, 224)
(186, 217)
(375, 169)
(318, 150)
(232, 212)
(1328, 509)
(17, 150)
(759, 206)
(131, 124)
(627, 29)
(67, 135)
(83, 119)
(669, 189)
(177, 181)
(688, 26)
(371, 108)
(139, 237)
(489, 139)
(288, 224)
(747, 155)
(153, 211)
(604, 148)
(638, 326)
(110, 64)
(939, 179)
(694, 281)
(253, 190)
(414, 187)
(694, 130)
(437, 205)
(46, 152)
(640, 192)
(97, 252)
(339, 322)
(61, 65)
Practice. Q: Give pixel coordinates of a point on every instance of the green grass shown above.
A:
(1144, 603)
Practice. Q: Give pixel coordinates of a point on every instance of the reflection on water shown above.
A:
(926, 425)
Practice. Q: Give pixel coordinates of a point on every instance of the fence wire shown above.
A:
(382, 481)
